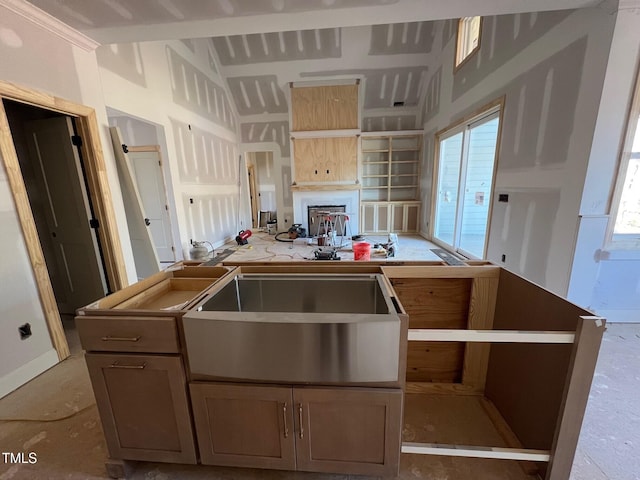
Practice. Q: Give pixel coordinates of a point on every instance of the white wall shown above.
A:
(603, 278)
(176, 85)
(550, 68)
(34, 58)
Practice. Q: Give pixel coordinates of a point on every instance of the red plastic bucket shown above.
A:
(362, 251)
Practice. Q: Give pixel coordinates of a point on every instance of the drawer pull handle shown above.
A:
(136, 367)
(300, 419)
(284, 419)
(121, 339)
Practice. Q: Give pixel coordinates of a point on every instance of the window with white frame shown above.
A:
(626, 200)
(469, 29)
(463, 179)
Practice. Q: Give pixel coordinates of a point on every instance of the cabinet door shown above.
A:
(349, 431)
(341, 159)
(308, 157)
(142, 400)
(326, 159)
(375, 217)
(244, 426)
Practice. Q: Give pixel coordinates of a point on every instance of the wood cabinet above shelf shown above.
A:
(333, 107)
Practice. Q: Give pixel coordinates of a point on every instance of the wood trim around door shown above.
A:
(98, 191)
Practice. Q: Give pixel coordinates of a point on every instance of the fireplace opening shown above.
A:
(315, 219)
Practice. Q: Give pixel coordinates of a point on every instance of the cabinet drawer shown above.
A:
(128, 334)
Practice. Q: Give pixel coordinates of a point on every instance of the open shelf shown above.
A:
(400, 154)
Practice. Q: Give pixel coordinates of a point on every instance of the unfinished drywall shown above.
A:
(35, 58)
(389, 61)
(184, 96)
(550, 73)
(606, 278)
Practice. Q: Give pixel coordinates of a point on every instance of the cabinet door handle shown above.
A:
(109, 338)
(284, 419)
(136, 367)
(300, 419)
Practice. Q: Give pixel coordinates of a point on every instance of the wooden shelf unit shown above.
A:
(396, 159)
(390, 176)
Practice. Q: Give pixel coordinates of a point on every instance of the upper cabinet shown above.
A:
(333, 107)
(324, 121)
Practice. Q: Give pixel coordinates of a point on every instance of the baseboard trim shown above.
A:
(28, 371)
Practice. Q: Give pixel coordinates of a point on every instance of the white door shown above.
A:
(67, 212)
(147, 168)
(144, 253)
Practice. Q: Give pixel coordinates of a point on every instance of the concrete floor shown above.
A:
(55, 416)
(264, 248)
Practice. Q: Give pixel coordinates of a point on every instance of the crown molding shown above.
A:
(44, 20)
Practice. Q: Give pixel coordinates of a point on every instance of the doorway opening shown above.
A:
(262, 187)
(465, 169)
(54, 174)
(104, 238)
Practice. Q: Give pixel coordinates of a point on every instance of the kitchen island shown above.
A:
(303, 366)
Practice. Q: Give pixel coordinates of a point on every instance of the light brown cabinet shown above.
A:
(142, 400)
(325, 159)
(385, 217)
(345, 430)
(249, 426)
(355, 431)
(332, 107)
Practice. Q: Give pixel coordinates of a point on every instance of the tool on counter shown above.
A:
(242, 237)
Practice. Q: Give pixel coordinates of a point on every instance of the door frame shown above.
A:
(253, 193)
(98, 190)
(497, 104)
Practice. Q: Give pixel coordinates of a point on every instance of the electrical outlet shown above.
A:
(25, 331)
(503, 258)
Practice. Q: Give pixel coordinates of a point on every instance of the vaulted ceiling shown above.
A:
(122, 21)
(262, 45)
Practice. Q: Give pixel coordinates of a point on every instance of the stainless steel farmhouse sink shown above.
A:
(296, 328)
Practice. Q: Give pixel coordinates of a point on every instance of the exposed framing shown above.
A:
(458, 65)
(498, 103)
(99, 193)
(623, 160)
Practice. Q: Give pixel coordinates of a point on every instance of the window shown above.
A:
(465, 170)
(468, 43)
(626, 210)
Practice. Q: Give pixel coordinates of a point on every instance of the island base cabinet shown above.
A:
(244, 426)
(350, 431)
(337, 430)
(142, 400)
